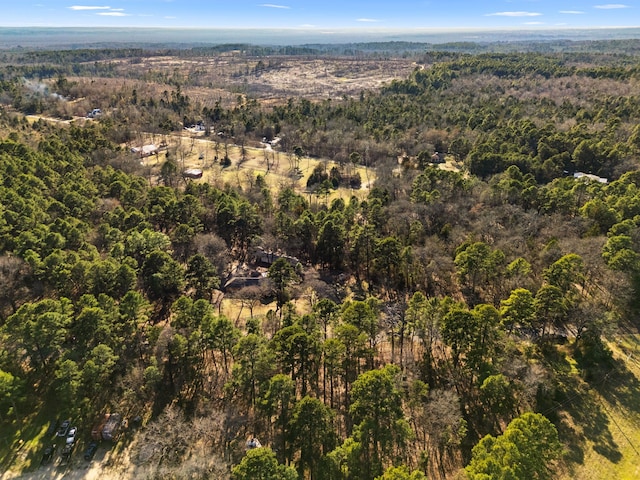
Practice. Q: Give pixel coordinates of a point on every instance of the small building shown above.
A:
(252, 443)
(146, 150)
(267, 258)
(589, 177)
(238, 283)
(437, 157)
(193, 173)
(243, 277)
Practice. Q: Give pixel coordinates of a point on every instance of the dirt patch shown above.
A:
(78, 469)
(271, 79)
(325, 78)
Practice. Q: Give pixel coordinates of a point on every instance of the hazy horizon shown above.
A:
(76, 37)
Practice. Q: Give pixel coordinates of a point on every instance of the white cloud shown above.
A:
(611, 6)
(571, 12)
(111, 12)
(368, 20)
(271, 5)
(513, 14)
(533, 23)
(87, 7)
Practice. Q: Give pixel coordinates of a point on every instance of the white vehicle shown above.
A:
(71, 435)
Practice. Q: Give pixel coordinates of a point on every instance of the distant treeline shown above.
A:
(614, 48)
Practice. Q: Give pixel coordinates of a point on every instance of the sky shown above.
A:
(325, 14)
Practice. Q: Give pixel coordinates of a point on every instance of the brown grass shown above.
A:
(188, 148)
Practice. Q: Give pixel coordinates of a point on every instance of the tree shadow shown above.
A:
(578, 414)
(552, 402)
(622, 387)
(596, 428)
(585, 421)
(19, 447)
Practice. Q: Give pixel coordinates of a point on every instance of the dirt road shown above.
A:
(101, 467)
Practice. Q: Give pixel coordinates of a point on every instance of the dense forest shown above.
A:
(453, 322)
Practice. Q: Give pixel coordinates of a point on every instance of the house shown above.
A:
(146, 150)
(236, 283)
(437, 157)
(267, 258)
(243, 277)
(590, 177)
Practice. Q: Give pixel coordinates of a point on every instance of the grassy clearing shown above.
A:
(198, 152)
(603, 423)
(239, 313)
(23, 439)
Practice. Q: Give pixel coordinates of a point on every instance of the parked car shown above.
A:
(53, 427)
(47, 454)
(90, 451)
(64, 428)
(71, 435)
(65, 455)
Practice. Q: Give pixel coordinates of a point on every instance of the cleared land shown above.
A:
(279, 169)
(275, 78)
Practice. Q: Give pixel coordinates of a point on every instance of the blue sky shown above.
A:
(343, 14)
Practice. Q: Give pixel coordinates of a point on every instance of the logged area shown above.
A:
(352, 262)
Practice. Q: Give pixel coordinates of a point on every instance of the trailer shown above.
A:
(96, 431)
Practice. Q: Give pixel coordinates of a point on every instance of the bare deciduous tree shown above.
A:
(13, 287)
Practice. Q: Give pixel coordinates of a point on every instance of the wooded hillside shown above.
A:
(472, 313)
